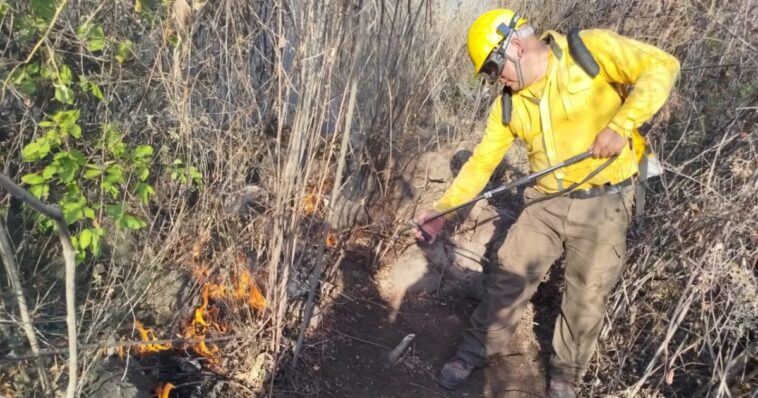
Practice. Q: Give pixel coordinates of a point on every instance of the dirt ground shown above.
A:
(348, 355)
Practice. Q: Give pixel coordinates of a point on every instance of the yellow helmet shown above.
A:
(488, 31)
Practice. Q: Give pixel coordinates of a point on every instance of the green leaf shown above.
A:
(111, 189)
(142, 151)
(96, 247)
(53, 137)
(64, 94)
(174, 40)
(180, 176)
(28, 27)
(73, 192)
(48, 72)
(115, 211)
(66, 118)
(144, 191)
(67, 170)
(24, 79)
(93, 171)
(69, 163)
(196, 176)
(73, 215)
(46, 124)
(43, 8)
(33, 179)
(32, 69)
(114, 174)
(78, 157)
(89, 213)
(40, 191)
(49, 171)
(129, 221)
(66, 122)
(95, 244)
(35, 150)
(85, 238)
(113, 140)
(92, 36)
(119, 150)
(94, 89)
(73, 211)
(44, 224)
(143, 172)
(124, 51)
(75, 131)
(64, 75)
(27, 86)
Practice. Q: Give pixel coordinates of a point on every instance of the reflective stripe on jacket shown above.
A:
(579, 107)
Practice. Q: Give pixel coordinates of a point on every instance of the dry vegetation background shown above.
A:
(254, 109)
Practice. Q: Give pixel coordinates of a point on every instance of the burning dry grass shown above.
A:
(204, 320)
(207, 319)
(247, 92)
(163, 391)
(282, 96)
(148, 335)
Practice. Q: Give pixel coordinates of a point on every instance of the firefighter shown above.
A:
(562, 94)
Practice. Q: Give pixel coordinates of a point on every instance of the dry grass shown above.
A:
(293, 96)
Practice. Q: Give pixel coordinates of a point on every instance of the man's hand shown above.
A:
(608, 143)
(432, 227)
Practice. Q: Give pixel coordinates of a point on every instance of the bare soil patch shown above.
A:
(348, 355)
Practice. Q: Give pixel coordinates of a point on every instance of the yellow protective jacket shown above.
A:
(560, 115)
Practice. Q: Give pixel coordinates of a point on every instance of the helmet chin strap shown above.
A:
(519, 70)
(519, 74)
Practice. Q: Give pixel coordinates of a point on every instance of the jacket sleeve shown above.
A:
(477, 171)
(650, 70)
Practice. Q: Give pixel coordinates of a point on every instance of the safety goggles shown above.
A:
(493, 66)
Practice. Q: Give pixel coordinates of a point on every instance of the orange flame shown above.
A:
(206, 317)
(331, 240)
(311, 204)
(162, 391)
(246, 289)
(147, 334)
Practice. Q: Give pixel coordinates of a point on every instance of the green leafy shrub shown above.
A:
(88, 181)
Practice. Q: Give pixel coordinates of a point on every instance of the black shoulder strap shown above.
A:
(507, 106)
(579, 53)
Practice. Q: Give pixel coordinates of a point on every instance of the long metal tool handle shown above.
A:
(506, 187)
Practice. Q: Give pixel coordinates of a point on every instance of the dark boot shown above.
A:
(454, 373)
(560, 388)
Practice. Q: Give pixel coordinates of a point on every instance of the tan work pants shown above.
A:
(592, 232)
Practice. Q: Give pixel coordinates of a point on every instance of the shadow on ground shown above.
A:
(347, 355)
(351, 351)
